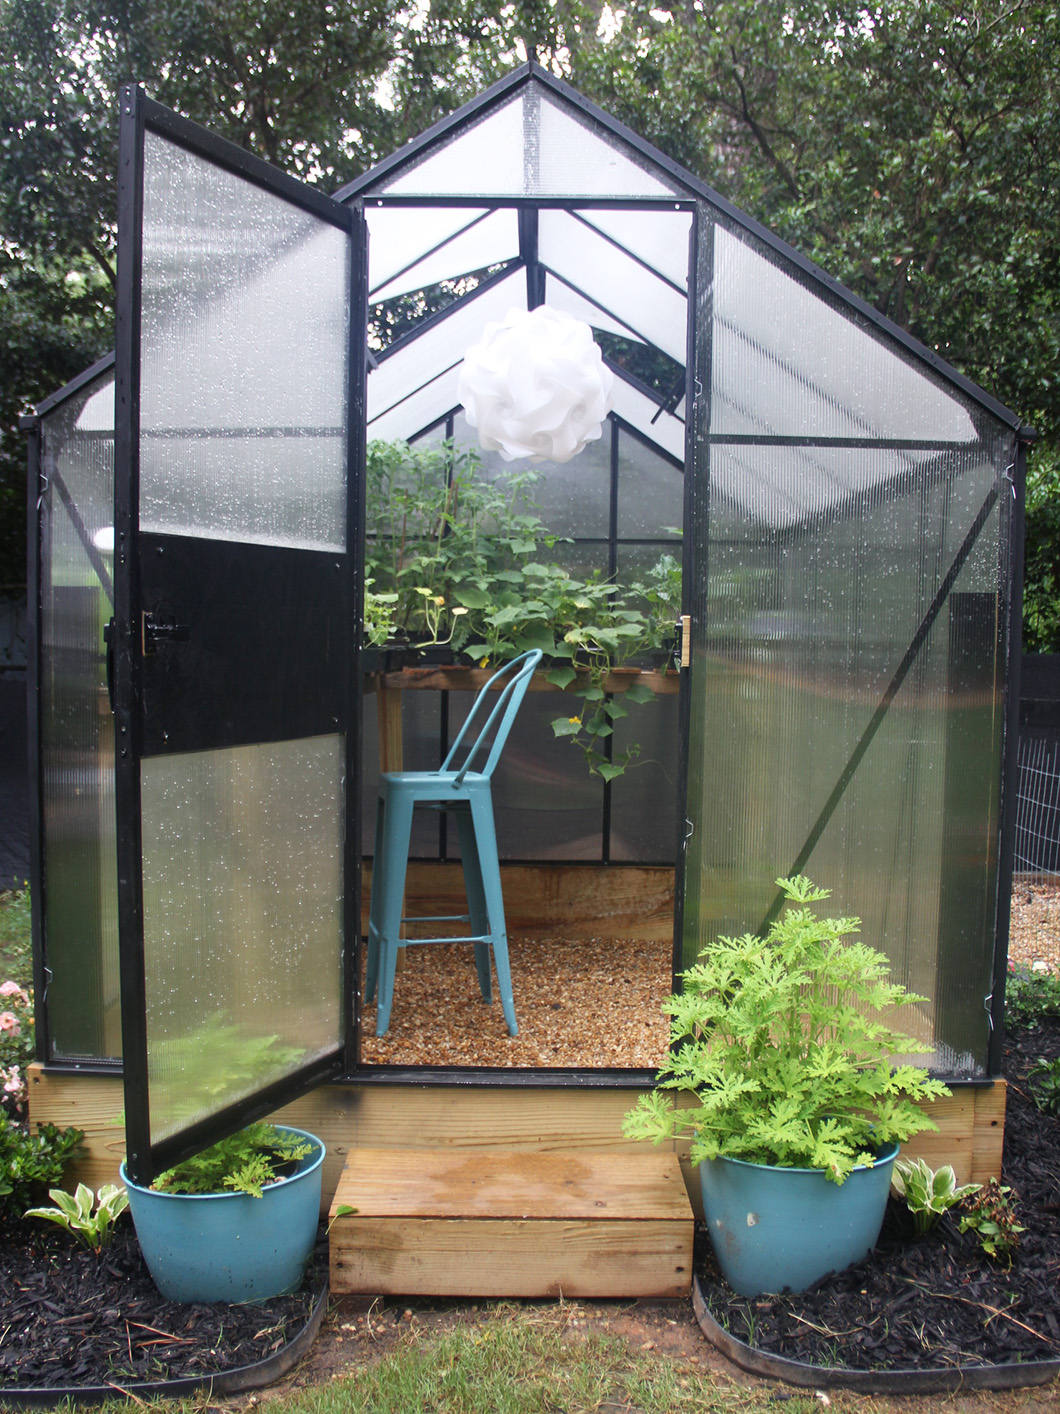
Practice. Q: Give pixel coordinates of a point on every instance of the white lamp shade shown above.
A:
(535, 385)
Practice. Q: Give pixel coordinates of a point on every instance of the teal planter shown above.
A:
(230, 1246)
(781, 1229)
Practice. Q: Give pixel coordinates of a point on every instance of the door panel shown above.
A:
(234, 638)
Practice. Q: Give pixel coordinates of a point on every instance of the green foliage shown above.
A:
(991, 1216)
(910, 150)
(17, 1046)
(243, 1163)
(29, 1163)
(1041, 597)
(453, 558)
(17, 1019)
(16, 942)
(221, 1058)
(928, 1193)
(1031, 996)
(1044, 1080)
(90, 1217)
(777, 1049)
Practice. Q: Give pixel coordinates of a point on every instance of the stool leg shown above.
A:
(476, 898)
(489, 865)
(397, 831)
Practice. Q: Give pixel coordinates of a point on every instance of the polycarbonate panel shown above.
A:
(546, 804)
(559, 295)
(644, 798)
(441, 346)
(77, 732)
(532, 145)
(572, 498)
(647, 306)
(242, 871)
(660, 238)
(399, 236)
(787, 363)
(488, 242)
(650, 492)
(421, 408)
(806, 627)
(244, 355)
(663, 429)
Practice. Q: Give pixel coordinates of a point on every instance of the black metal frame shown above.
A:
(32, 428)
(139, 115)
(709, 207)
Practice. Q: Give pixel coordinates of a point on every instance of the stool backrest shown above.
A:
(508, 701)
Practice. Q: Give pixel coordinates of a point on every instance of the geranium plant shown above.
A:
(779, 1053)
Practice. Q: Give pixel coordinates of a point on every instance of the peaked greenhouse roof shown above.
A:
(530, 194)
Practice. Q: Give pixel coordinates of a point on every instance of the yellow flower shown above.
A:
(572, 720)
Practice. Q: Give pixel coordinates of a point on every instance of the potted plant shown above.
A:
(795, 1108)
(236, 1222)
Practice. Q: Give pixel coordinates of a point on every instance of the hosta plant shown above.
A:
(780, 1051)
(89, 1216)
(928, 1192)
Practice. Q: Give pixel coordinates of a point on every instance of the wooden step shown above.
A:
(511, 1223)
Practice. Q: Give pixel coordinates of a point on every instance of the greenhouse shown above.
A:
(828, 515)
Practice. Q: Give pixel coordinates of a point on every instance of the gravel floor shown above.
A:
(589, 1004)
(1034, 932)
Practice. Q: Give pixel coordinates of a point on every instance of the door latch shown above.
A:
(161, 630)
(682, 648)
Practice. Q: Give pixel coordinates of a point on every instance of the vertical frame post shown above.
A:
(127, 611)
(1015, 521)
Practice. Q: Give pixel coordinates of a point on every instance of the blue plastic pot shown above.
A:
(782, 1229)
(230, 1246)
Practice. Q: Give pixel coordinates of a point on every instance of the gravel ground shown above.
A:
(590, 1004)
(1034, 933)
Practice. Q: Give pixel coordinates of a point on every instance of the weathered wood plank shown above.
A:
(391, 1183)
(440, 1257)
(579, 902)
(971, 1123)
(454, 678)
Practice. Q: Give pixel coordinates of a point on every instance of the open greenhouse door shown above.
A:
(234, 641)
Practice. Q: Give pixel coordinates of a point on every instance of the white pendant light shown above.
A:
(535, 385)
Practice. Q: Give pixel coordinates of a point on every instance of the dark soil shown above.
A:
(71, 1318)
(937, 1300)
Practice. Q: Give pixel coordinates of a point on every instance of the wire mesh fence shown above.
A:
(1038, 805)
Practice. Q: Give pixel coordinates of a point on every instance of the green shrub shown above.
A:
(1031, 997)
(31, 1163)
(1044, 1080)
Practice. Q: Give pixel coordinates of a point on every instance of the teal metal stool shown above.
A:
(466, 795)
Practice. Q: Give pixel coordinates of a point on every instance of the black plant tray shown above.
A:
(942, 1380)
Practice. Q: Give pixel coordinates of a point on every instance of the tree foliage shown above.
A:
(910, 149)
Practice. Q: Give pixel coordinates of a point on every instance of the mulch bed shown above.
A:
(934, 1301)
(70, 1318)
